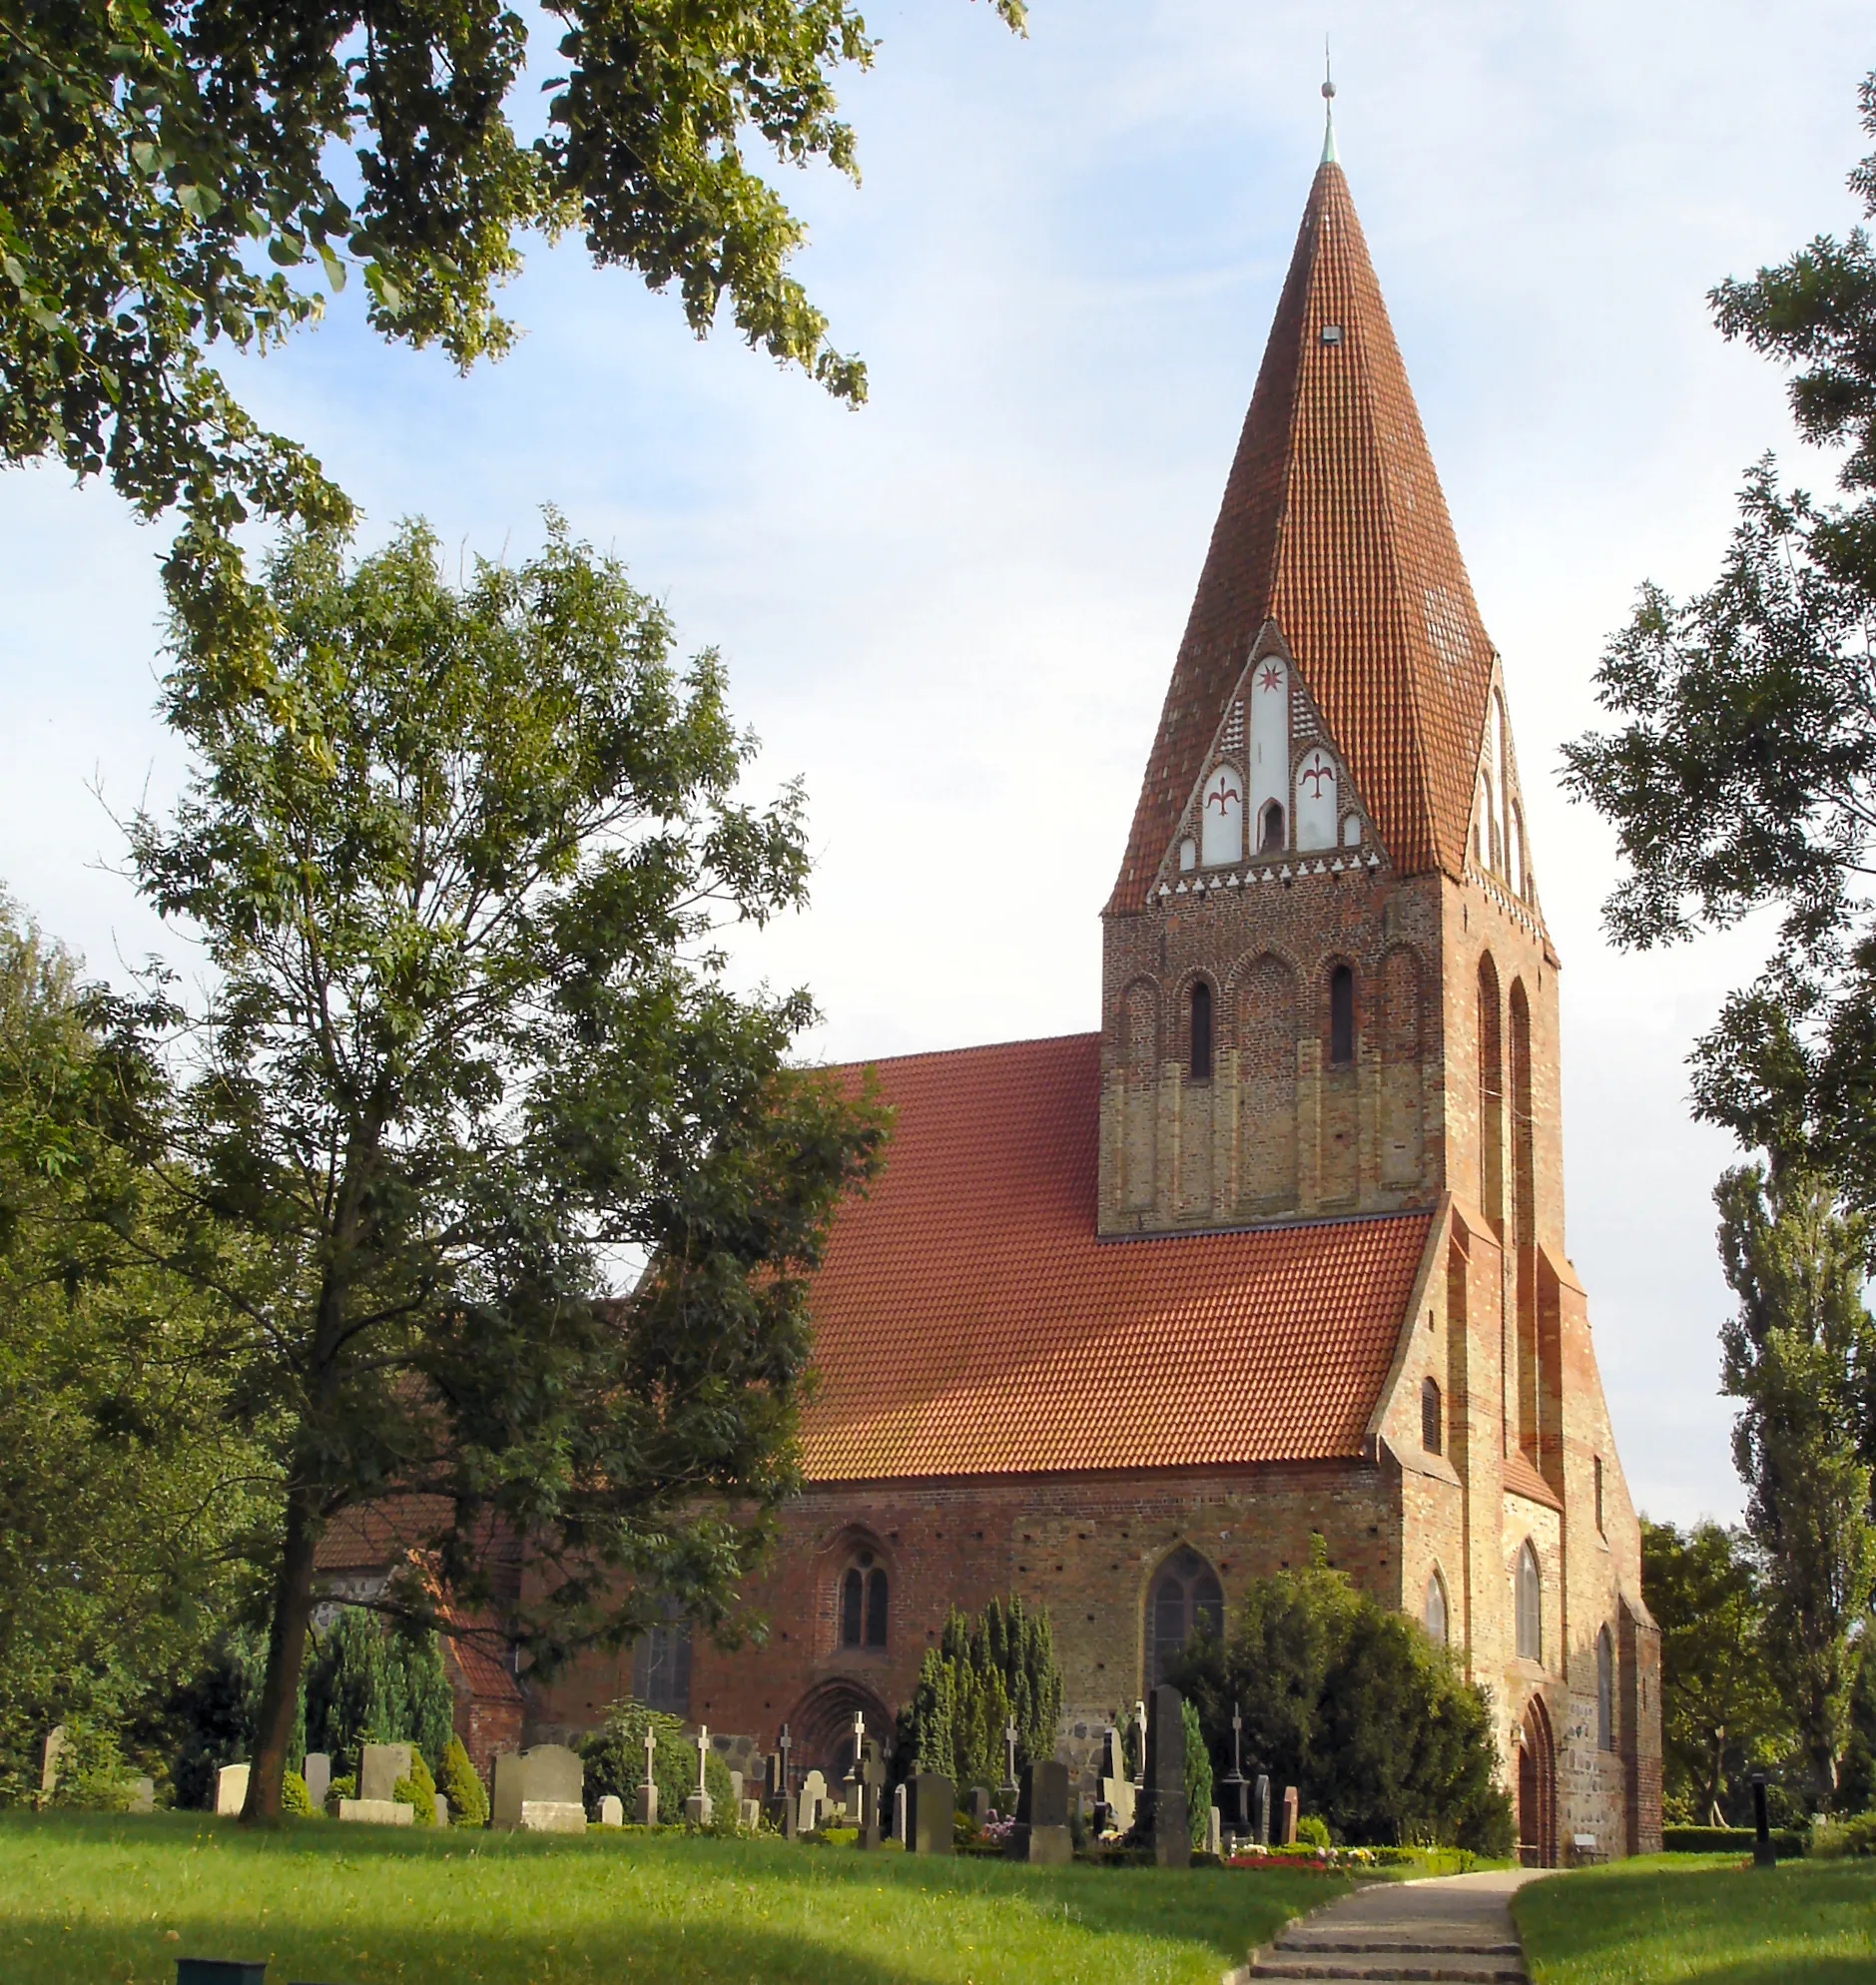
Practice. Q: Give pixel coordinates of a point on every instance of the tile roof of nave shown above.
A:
(968, 1321)
(1333, 526)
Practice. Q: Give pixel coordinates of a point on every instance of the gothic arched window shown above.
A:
(1270, 836)
(1436, 1609)
(1186, 1595)
(661, 1665)
(1201, 1031)
(1342, 1014)
(1605, 1691)
(1530, 1606)
(863, 1604)
(1432, 1422)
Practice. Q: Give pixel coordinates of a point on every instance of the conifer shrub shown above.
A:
(1198, 1776)
(462, 1784)
(418, 1792)
(982, 1673)
(614, 1756)
(1351, 1704)
(373, 1681)
(294, 1798)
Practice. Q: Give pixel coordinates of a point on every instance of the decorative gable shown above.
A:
(1275, 800)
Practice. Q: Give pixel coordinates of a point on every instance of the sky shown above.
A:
(953, 613)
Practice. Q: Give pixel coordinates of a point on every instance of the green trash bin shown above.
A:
(221, 1971)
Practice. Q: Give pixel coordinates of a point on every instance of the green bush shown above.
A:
(982, 1673)
(418, 1792)
(614, 1756)
(342, 1785)
(212, 1720)
(461, 1786)
(1837, 1838)
(369, 1681)
(294, 1798)
(1351, 1704)
(1788, 1843)
(1312, 1830)
(1198, 1776)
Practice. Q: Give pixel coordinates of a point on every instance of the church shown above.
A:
(1278, 1250)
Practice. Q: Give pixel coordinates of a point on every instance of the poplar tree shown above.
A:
(1800, 1355)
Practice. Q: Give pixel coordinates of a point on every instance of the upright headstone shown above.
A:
(1163, 1795)
(749, 1815)
(1764, 1855)
(871, 1789)
(380, 1766)
(645, 1807)
(1114, 1794)
(318, 1777)
(1289, 1815)
(1263, 1809)
(700, 1809)
(982, 1807)
(439, 1805)
(50, 1759)
(1041, 1830)
(735, 1790)
(781, 1788)
(1237, 1791)
(504, 1801)
(1139, 1743)
(231, 1789)
(898, 1814)
(1214, 1832)
(143, 1795)
(553, 1790)
(612, 1811)
(931, 1805)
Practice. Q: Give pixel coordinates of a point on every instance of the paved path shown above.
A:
(1452, 1927)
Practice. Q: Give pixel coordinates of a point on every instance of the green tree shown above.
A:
(985, 1673)
(1349, 1702)
(614, 1756)
(371, 1680)
(1198, 1774)
(457, 858)
(1706, 1591)
(122, 1488)
(177, 175)
(1740, 770)
(1798, 1355)
(462, 1784)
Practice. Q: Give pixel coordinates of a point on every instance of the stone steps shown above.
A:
(1390, 1958)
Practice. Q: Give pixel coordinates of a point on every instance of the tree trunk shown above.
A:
(287, 1647)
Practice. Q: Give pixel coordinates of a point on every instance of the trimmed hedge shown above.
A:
(1787, 1841)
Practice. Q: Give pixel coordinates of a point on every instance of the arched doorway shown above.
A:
(1537, 1789)
(820, 1727)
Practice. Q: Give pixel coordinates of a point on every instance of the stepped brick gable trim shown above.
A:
(1333, 526)
(969, 1321)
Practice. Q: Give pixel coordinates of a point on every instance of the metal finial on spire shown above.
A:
(1329, 156)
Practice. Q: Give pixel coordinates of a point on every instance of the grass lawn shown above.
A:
(94, 1897)
(1702, 1917)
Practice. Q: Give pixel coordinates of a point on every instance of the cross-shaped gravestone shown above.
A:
(871, 1785)
(783, 1791)
(698, 1807)
(855, 1790)
(1009, 1758)
(645, 1807)
(1240, 1792)
(783, 1745)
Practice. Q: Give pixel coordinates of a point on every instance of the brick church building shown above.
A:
(1279, 1250)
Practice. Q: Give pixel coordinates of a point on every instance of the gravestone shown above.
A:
(1289, 1815)
(814, 1797)
(1162, 1797)
(1010, 1791)
(548, 1777)
(982, 1807)
(1214, 1832)
(853, 1795)
(749, 1815)
(50, 1759)
(376, 1812)
(504, 1796)
(1041, 1830)
(1263, 1809)
(736, 1789)
(1237, 1793)
(1139, 1743)
(231, 1789)
(143, 1795)
(931, 1805)
(379, 1768)
(1764, 1855)
(554, 1816)
(871, 1791)
(1114, 1799)
(645, 1807)
(898, 1814)
(782, 1809)
(319, 1776)
(700, 1809)
(612, 1811)
(439, 1805)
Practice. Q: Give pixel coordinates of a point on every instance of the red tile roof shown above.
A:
(968, 1321)
(1521, 1479)
(1333, 526)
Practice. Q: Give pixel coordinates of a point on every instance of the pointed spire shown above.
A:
(1334, 528)
(1329, 154)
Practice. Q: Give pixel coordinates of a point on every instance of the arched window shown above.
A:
(1186, 1595)
(1201, 1031)
(1342, 1014)
(1432, 1422)
(863, 1604)
(1270, 836)
(1605, 1691)
(1530, 1606)
(661, 1665)
(1436, 1609)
